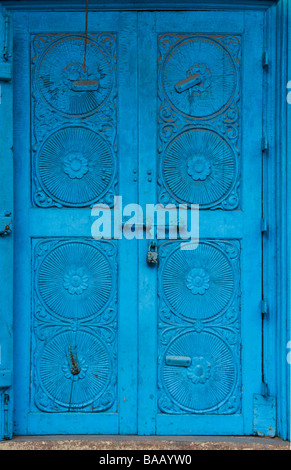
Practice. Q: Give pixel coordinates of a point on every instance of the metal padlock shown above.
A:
(152, 254)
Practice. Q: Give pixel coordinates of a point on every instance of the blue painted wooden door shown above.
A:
(200, 143)
(75, 368)
(173, 115)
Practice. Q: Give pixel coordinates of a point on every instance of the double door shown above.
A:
(158, 108)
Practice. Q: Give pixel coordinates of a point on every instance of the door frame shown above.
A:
(276, 191)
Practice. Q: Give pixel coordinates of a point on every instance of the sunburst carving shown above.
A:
(199, 167)
(199, 76)
(209, 382)
(75, 280)
(65, 84)
(75, 166)
(198, 284)
(74, 369)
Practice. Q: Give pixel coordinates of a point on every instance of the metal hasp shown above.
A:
(5, 66)
(264, 307)
(264, 144)
(264, 225)
(265, 59)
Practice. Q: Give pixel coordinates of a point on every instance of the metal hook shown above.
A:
(7, 230)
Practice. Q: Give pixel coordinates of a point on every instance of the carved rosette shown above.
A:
(74, 119)
(199, 120)
(199, 317)
(198, 166)
(74, 325)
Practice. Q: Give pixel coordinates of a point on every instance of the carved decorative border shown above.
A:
(100, 330)
(46, 120)
(225, 326)
(172, 122)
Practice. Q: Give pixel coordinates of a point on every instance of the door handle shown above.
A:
(180, 361)
(188, 82)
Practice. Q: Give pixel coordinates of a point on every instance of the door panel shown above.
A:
(162, 109)
(59, 85)
(206, 302)
(69, 151)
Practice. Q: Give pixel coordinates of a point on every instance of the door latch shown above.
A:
(180, 361)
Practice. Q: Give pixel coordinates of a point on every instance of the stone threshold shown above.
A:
(113, 443)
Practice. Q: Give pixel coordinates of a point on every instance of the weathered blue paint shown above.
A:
(77, 371)
(265, 415)
(135, 363)
(6, 238)
(175, 407)
(281, 57)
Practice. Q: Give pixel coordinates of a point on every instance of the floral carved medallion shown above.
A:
(75, 165)
(198, 168)
(193, 291)
(200, 370)
(198, 281)
(81, 162)
(76, 281)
